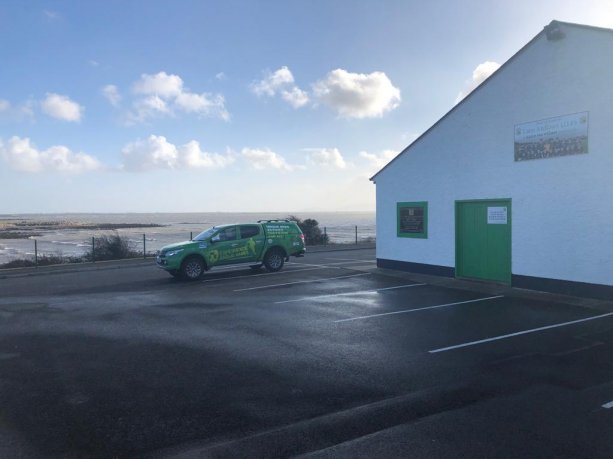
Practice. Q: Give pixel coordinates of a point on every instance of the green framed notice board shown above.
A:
(412, 219)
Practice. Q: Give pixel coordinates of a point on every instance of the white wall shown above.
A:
(562, 207)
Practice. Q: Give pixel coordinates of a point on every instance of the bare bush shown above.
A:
(111, 247)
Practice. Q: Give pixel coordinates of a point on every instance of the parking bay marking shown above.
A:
(300, 282)
(359, 292)
(608, 405)
(263, 274)
(289, 264)
(524, 332)
(293, 263)
(346, 259)
(418, 309)
(358, 267)
(329, 265)
(352, 262)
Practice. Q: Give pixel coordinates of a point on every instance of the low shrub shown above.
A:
(111, 247)
(312, 232)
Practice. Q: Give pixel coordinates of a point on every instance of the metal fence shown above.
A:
(145, 247)
(348, 234)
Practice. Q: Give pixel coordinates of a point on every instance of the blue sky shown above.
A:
(150, 106)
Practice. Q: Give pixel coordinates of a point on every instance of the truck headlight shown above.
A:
(172, 253)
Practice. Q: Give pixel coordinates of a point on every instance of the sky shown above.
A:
(229, 106)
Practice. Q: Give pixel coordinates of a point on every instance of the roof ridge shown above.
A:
(553, 23)
(583, 26)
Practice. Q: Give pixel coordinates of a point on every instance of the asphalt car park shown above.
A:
(330, 357)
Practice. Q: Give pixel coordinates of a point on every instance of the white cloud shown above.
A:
(273, 82)
(281, 82)
(23, 156)
(160, 84)
(296, 97)
(152, 106)
(5, 105)
(327, 157)
(153, 153)
(203, 104)
(221, 76)
(146, 108)
(61, 107)
(93, 63)
(20, 155)
(111, 93)
(378, 161)
(480, 74)
(191, 102)
(192, 156)
(156, 152)
(163, 95)
(357, 95)
(265, 159)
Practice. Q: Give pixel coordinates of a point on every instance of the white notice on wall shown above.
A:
(496, 215)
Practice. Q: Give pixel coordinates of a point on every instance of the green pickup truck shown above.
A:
(267, 242)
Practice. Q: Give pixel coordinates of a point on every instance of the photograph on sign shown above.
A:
(552, 137)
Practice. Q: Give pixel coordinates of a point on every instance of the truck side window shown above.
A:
(228, 234)
(248, 231)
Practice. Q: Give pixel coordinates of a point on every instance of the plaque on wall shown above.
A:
(412, 220)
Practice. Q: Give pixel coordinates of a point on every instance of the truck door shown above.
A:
(252, 241)
(224, 249)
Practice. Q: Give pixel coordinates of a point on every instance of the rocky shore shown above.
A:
(23, 229)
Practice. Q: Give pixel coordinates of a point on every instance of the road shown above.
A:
(331, 357)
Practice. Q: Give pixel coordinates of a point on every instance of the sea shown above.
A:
(341, 227)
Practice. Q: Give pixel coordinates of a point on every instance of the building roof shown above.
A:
(553, 31)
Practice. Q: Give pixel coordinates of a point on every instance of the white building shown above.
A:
(515, 183)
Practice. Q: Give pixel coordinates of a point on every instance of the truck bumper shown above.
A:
(167, 264)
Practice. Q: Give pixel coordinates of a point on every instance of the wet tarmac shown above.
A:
(331, 357)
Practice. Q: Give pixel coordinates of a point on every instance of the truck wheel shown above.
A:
(192, 268)
(274, 259)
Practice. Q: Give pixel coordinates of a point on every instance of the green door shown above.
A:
(483, 240)
(228, 248)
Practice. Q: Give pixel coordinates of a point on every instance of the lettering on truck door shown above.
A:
(224, 251)
(251, 242)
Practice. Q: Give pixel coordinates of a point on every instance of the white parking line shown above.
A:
(263, 274)
(300, 282)
(608, 405)
(358, 267)
(345, 259)
(359, 292)
(293, 263)
(331, 265)
(418, 309)
(524, 332)
(350, 262)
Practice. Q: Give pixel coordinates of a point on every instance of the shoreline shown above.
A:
(66, 235)
(29, 229)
